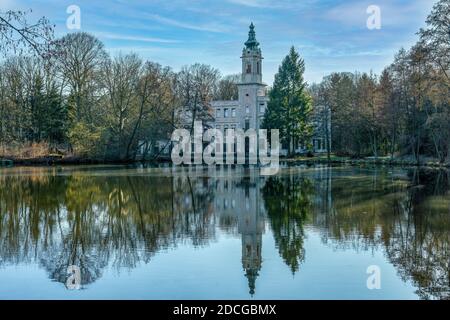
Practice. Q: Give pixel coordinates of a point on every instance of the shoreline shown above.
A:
(72, 161)
(374, 162)
(75, 161)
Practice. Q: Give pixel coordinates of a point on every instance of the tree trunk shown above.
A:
(291, 147)
(393, 142)
(135, 129)
(328, 137)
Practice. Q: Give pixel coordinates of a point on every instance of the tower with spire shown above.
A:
(252, 97)
(252, 59)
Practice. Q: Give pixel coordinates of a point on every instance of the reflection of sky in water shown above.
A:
(333, 266)
(215, 272)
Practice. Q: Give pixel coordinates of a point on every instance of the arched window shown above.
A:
(249, 68)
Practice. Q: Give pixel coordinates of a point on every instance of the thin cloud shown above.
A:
(252, 3)
(115, 36)
(184, 25)
(274, 4)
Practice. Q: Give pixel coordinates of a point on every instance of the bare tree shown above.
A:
(227, 88)
(17, 35)
(156, 107)
(80, 56)
(196, 87)
(437, 36)
(120, 78)
(322, 114)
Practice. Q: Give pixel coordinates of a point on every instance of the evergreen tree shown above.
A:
(290, 105)
(56, 122)
(48, 115)
(38, 117)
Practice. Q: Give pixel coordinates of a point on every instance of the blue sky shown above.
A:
(331, 35)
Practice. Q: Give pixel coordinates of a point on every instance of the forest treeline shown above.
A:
(78, 99)
(403, 111)
(82, 100)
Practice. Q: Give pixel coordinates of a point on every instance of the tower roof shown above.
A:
(251, 42)
(251, 275)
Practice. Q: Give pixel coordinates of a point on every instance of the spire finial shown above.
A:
(251, 42)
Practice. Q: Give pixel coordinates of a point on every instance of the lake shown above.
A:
(116, 232)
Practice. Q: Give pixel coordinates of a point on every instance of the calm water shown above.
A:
(162, 233)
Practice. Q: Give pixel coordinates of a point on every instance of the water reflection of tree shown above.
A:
(89, 221)
(360, 205)
(408, 217)
(420, 244)
(288, 201)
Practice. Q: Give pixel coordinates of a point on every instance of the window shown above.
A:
(258, 68)
(262, 107)
(247, 124)
(233, 113)
(233, 126)
(225, 112)
(247, 109)
(249, 68)
(218, 113)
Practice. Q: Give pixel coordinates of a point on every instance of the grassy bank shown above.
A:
(43, 155)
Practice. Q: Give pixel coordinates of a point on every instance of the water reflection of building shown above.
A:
(251, 227)
(238, 200)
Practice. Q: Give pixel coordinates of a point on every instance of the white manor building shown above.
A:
(248, 111)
